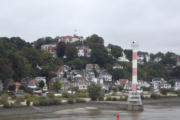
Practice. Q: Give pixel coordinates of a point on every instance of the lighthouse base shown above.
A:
(134, 102)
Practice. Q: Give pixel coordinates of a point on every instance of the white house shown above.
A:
(157, 59)
(105, 76)
(123, 58)
(34, 83)
(84, 51)
(70, 39)
(177, 85)
(51, 48)
(160, 83)
(117, 66)
(142, 57)
(62, 70)
(142, 83)
(128, 85)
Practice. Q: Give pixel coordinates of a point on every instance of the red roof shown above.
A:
(61, 68)
(51, 48)
(17, 84)
(33, 80)
(123, 81)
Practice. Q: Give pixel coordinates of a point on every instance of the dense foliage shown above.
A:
(20, 59)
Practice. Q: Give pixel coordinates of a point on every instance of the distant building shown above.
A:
(51, 48)
(34, 83)
(143, 57)
(62, 71)
(105, 77)
(90, 67)
(70, 39)
(157, 59)
(142, 83)
(123, 58)
(84, 51)
(160, 83)
(17, 84)
(128, 86)
(122, 82)
(117, 66)
(177, 85)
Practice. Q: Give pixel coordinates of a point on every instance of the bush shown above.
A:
(6, 105)
(142, 97)
(114, 99)
(108, 99)
(94, 91)
(65, 94)
(4, 98)
(163, 91)
(101, 97)
(79, 100)
(120, 88)
(45, 101)
(146, 88)
(50, 95)
(123, 98)
(28, 102)
(178, 92)
(81, 94)
(36, 103)
(155, 96)
(26, 96)
(18, 102)
(71, 101)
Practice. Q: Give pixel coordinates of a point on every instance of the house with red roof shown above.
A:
(51, 48)
(84, 51)
(70, 39)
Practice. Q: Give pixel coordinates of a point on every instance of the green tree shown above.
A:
(57, 85)
(12, 88)
(41, 84)
(94, 39)
(78, 63)
(61, 48)
(116, 51)
(45, 40)
(94, 91)
(71, 51)
(128, 54)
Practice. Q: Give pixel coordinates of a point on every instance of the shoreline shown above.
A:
(33, 110)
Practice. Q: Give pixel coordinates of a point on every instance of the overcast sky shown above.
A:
(154, 24)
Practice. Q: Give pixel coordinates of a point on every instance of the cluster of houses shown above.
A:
(85, 51)
(81, 79)
(82, 49)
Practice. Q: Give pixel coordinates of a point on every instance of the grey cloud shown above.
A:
(153, 23)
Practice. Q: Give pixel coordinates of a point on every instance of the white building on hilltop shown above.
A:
(70, 39)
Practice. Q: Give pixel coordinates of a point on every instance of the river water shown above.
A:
(151, 112)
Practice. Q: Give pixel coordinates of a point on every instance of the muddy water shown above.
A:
(151, 112)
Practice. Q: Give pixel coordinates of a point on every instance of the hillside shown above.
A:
(20, 59)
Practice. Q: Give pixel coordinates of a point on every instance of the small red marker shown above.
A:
(117, 116)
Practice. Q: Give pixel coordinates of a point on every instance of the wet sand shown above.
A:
(45, 110)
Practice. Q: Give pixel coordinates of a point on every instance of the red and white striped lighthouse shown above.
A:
(134, 46)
